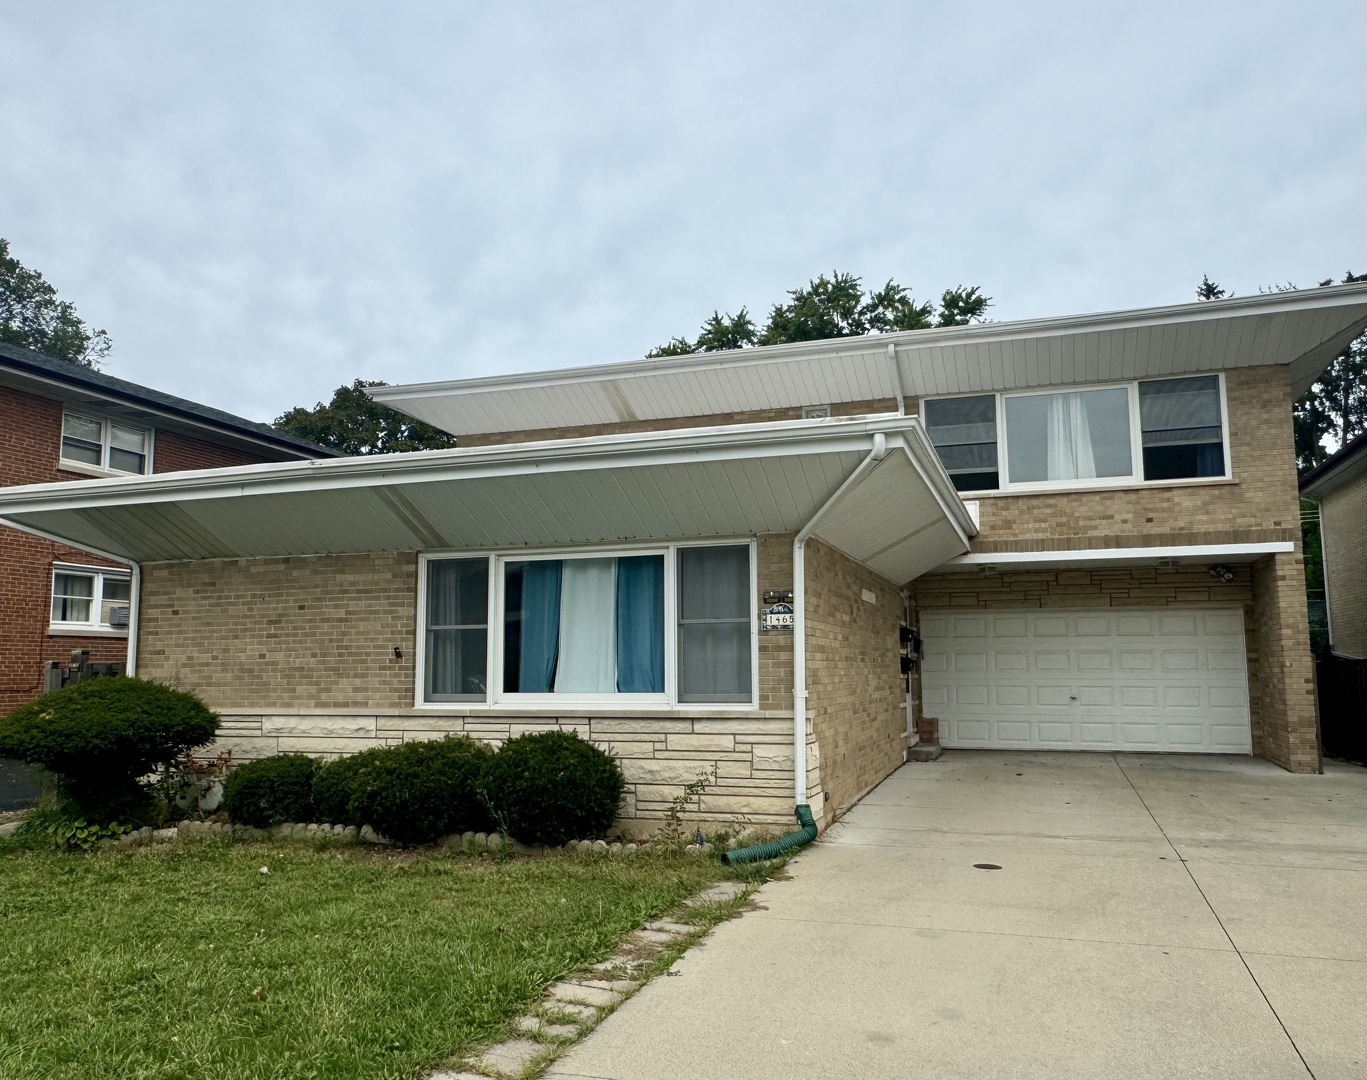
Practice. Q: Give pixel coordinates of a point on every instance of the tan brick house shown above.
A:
(1083, 531)
(59, 422)
(1339, 487)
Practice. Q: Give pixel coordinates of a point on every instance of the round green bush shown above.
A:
(271, 791)
(335, 785)
(552, 786)
(102, 737)
(420, 791)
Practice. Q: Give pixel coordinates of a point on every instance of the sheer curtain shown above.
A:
(588, 627)
(1070, 439)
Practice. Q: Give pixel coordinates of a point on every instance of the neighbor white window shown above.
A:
(653, 626)
(1151, 430)
(86, 598)
(105, 444)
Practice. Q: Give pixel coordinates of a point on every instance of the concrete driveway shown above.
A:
(1154, 916)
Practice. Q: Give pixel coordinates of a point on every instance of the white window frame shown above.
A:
(1135, 478)
(93, 628)
(103, 468)
(497, 698)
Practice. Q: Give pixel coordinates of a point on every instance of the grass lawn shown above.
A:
(340, 962)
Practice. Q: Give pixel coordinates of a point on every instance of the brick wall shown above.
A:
(1259, 505)
(671, 423)
(856, 695)
(284, 633)
(30, 445)
(297, 654)
(174, 452)
(1343, 525)
(1286, 672)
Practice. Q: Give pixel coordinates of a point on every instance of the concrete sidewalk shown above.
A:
(1154, 916)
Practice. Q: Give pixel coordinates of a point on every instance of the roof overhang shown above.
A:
(902, 518)
(1347, 465)
(1303, 330)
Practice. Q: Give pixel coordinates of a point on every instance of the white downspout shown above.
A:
(879, 451)
(134, 603)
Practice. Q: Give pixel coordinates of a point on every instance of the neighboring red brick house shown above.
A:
(60, 422)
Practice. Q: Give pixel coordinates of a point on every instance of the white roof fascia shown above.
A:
(976, 561)
(938, 337)
(148, 515)
(599, 452)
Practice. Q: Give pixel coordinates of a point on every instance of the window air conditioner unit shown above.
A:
(118, 616)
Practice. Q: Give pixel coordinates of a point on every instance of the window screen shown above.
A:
(457, 629)
(964, 434)
(1182, 428)
(714, 624)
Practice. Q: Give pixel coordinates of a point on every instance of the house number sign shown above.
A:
(778, 617)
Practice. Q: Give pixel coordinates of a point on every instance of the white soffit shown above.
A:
(739, 481)
(1084, 558)
(1303, 330)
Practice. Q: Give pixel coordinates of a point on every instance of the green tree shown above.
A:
(831, 307)
(31, 316)
(354, 423)
(1336, 405)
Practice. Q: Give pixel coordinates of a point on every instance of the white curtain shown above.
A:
(588, 628)
(1070, 439)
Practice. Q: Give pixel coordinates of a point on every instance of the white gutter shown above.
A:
(940, 336)
(879, 451)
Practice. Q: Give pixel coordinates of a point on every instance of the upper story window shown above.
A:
(105, 444)
(1183, 428)
(88, 599)
(649, 626)
(964, 433)
(1154, 430)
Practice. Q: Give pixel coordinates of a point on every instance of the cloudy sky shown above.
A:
(260, 202)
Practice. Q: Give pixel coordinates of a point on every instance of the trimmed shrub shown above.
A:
(335, 785)
(271, 791)
(102, 737)
(552, 786)
(420, 791)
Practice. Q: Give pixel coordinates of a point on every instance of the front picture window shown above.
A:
(584, 626)
(1080, 435)
(663, 626)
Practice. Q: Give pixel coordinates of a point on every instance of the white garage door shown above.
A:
(1114, 679)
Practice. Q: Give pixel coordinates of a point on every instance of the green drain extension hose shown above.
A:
(759, 852)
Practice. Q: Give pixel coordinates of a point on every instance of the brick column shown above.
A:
(1286, 672)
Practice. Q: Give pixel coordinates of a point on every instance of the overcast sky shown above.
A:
(262, 201)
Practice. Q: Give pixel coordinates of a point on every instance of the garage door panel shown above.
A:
(1118, 680)
(1013, 695)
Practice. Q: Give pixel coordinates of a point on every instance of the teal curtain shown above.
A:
(540, 637)
(641, 625)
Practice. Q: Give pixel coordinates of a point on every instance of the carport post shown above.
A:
(879, 451)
